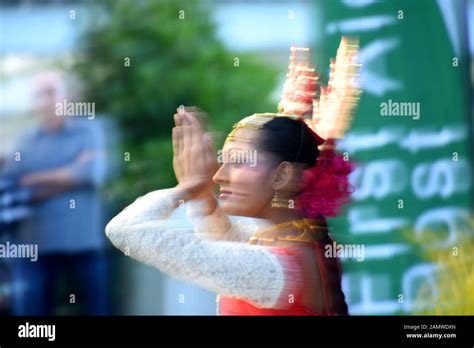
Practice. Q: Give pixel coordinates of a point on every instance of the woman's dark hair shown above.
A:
(290, 140)
(325, 183)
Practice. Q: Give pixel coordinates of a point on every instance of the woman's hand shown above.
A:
(194, 160)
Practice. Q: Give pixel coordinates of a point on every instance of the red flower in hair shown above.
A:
(325, 186)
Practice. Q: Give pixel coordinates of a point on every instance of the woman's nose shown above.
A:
(221, 175)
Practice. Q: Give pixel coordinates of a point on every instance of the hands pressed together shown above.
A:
(194, 160)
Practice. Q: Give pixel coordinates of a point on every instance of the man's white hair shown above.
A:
(52, 79)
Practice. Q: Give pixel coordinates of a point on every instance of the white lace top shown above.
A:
(212, 256)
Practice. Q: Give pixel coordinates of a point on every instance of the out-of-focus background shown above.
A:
(132, 63)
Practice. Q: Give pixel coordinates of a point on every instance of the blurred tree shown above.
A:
(140, 60)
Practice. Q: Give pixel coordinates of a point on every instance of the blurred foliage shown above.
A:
(173, 62)
(451, 291)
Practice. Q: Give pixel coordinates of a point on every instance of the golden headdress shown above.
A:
(329, 115)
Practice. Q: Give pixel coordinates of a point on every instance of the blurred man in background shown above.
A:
(61, 161)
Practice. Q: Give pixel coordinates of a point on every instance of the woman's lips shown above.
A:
(225, 194)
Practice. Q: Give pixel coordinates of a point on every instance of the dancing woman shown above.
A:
(276, 266)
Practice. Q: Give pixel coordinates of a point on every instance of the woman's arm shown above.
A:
(251, 272)
(216, 225)
(157, 205)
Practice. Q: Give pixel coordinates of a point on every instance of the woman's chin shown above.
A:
(234, 208)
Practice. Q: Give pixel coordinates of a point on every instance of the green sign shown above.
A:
(410, 140)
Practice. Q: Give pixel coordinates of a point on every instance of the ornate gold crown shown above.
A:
(328, 114)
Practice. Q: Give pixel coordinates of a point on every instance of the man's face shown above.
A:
(46, 94)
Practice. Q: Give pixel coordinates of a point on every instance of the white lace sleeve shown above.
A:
(159, 205)
(233, 269)
(218, 226)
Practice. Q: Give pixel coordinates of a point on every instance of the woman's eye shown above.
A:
(234, 162)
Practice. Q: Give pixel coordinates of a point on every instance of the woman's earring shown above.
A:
(282, 202)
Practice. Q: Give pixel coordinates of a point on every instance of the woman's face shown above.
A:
(245, 188)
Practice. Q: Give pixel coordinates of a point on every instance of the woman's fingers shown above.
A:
(176, 141)
(178, 146)
(185, 154)
(194, 121)
(177, 119)
(187, 137)
(177, 165)
(209, 155)
(196, 133)
(197, 147)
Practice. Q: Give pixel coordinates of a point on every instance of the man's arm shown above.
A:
(48, 183)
